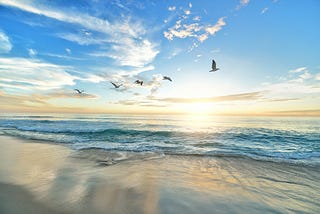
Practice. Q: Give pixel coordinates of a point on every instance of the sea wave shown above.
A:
(265, 143)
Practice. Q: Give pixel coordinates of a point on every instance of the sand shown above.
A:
(37, 177)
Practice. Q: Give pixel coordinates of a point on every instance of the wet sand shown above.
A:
(37, 177)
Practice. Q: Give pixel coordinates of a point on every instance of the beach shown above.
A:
(38, 177)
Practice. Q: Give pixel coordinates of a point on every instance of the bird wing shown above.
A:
(114, 84)
(214, 65)
(77, 90)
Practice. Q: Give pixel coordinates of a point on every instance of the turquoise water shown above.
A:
(295, 140)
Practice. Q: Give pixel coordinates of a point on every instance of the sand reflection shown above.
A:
(62, 181)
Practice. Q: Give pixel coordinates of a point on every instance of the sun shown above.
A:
(197, 108)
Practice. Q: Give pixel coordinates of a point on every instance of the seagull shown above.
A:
(79, 91)
(214, 66)
(167, 78)
(115, 85)
(138, 82)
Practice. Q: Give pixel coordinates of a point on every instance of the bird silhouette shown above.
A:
(139, 82)
(214, 66)
(167, 78)
(78, 90)
(116, 85)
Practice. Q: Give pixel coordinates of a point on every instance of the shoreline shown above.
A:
(52, 178)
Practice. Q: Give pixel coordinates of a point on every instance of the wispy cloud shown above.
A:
(215, 28)
(32, 52)
(124, 36)
(312, 112)
(283, 99)
(298, 70)
(242, 3)
(227, 98)
(5, 44)
(127, 78)
(68, 94)
(38, 102)
(172, 8)
(141, 102)
(196, 30)
(133, 52)
(302, 72)
(154, 101)
(264, 10)
(61, 56)
(89, 22)
(188, 25)
(34, 74)
(83, 39)
(298, 82)
(68, 50)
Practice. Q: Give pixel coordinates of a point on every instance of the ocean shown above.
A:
(279, 139)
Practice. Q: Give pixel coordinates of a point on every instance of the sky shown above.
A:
(267, 53)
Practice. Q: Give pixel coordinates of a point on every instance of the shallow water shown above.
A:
(59, 180)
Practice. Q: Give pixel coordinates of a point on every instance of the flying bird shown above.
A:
(78, 90)
(167, 78)
(214, 66)
(139, 82)
(116, 85)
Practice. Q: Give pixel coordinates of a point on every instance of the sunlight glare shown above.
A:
(197, 108)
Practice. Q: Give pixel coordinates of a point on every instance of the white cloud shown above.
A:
(126, 76)
(83, 40)
(124, 35)
(172, 8)
(215, 28)
(62, 56)
(196, 18)
(155, 83)
(68, 50)
(130, 52)
(32, 52)
(175, 52)
(34, 74)
(196, 30)
(298, 85)
(244, 2)
(5, 44)
(264, 10)
(305, 75)
(298, 70)
(91, 78)
(293, 87)
(317, 76)
(89, 22)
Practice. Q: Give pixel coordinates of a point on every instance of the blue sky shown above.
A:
(267, 52)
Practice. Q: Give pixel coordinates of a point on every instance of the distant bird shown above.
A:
(214, 66)
(116, 85)
(78, 90)
(167, 78)
(138, 82)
